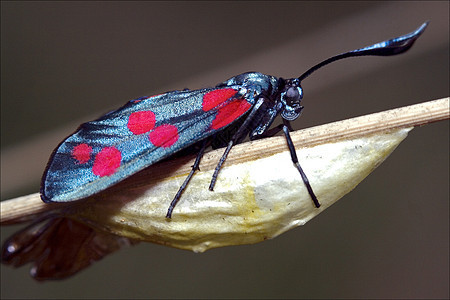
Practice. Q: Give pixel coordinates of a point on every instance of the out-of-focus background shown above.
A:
(64, 63)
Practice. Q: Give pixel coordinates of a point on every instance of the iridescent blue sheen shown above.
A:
(66, 179)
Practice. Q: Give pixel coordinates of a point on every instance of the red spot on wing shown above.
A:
(164, 136)
(107, 161)
(230, 112)
(141, 122)
(217, 97)
(82, 153)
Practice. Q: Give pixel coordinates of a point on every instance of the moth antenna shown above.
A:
(390, 47)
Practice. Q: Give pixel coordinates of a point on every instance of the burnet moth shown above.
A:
(149, 129)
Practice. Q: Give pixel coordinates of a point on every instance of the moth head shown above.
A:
(290, 98)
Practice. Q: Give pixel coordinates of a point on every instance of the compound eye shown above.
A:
(292, 93)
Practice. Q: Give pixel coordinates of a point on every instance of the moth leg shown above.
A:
(294, 158)
(219, 165)
(272, 131)
(195, 167)
(242, 130)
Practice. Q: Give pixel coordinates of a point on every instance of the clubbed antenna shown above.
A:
(390, 47)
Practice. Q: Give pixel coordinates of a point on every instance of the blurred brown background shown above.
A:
(64, 63)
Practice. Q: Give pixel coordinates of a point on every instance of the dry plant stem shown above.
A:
(20, 209)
